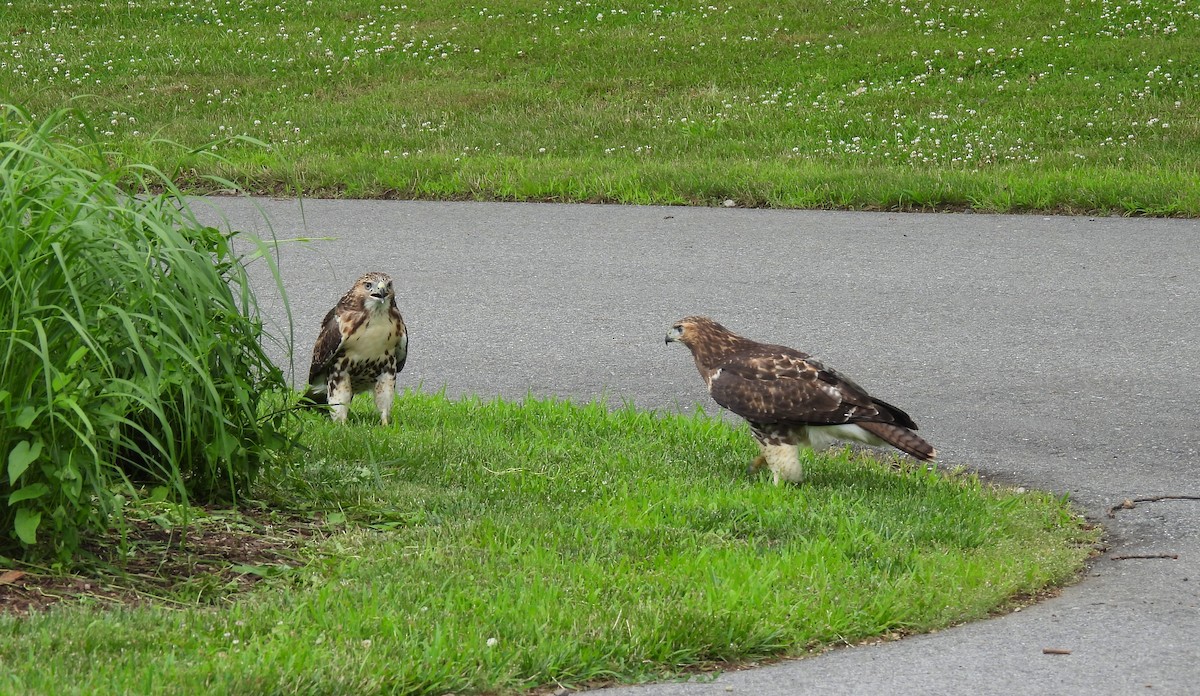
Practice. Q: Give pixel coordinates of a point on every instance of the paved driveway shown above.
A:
(1054, 352)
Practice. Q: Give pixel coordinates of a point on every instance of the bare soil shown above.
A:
(215, 557)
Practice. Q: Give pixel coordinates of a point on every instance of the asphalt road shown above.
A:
(1061, 353)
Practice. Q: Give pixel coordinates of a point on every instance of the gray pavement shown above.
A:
(1061, 353)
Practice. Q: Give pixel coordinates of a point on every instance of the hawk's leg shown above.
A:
(784, 462)
(340, 391)
(779, 452)
(385, 394)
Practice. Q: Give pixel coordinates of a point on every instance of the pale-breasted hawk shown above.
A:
(363, 345)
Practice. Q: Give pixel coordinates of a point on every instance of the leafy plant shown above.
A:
(129, 342)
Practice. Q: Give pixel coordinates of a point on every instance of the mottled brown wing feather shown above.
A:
(789, 386)
(402, 346)
(327, 348)
(898, 417)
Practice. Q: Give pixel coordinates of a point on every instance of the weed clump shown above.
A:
(130, 352)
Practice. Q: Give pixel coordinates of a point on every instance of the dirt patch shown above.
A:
(213, 557)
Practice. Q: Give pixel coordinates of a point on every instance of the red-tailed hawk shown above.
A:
(362, 345)
(790, 399)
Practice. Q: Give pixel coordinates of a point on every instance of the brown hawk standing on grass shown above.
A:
(790, 399)
(362, 345)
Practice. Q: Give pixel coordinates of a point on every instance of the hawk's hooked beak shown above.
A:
(673, 335)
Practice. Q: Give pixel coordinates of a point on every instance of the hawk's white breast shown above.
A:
(375, 337)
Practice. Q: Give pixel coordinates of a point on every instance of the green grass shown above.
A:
(130, 343)
(1082, 106)
(495, 547)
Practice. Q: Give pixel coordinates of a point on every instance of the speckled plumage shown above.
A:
(791, 399)
(362, 345)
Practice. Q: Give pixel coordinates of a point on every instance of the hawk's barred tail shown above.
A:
(902, 439)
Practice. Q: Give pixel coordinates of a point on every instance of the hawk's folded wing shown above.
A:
(327, 348)
(785, 385)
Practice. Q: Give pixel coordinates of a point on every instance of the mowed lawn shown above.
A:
(497, 547)
(1086, 105)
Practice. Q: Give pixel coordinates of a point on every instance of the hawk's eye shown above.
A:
(367, 284)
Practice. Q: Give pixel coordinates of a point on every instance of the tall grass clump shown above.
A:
(130, 351)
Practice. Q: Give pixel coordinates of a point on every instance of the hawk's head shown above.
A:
(710, 343)
(375, 291)
(692, 330)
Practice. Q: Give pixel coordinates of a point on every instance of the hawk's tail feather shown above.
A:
(314, 399)
(902, 439)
